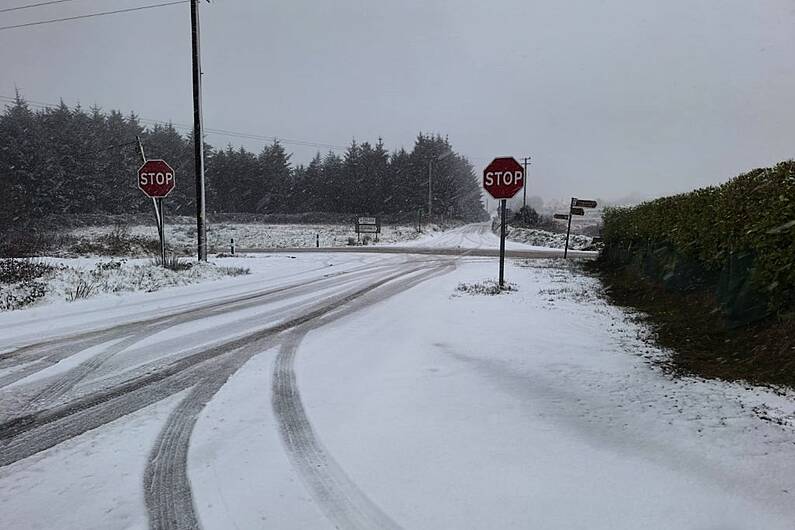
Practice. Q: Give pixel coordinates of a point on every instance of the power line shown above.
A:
(90, 15)
(125, 144)
(28, 6)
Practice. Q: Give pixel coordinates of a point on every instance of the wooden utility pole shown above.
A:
(198, 134)
(430, 191)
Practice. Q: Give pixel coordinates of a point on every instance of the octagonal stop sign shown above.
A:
(156, 178)
(503, 177)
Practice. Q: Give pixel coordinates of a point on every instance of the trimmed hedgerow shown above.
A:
(752, 214)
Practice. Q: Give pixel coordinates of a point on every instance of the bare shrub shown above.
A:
(174, 263)
(82, 289)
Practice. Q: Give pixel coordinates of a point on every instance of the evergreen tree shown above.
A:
(62, 160)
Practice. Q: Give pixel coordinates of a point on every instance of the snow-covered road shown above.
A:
(475, 239)
(367, 391)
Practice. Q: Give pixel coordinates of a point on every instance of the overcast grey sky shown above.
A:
(608, 97)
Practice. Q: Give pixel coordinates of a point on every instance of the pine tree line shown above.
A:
(71, 160)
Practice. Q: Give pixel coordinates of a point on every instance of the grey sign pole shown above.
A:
(162, 231)
(158, 204)
(502, 243)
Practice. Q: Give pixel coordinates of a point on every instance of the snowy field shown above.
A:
(418, 399)
(251, 235)
(72, 279)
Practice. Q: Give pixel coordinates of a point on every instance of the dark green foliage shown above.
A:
(20, 270)
(744, 228)
(71, 161)
(23, 277)
(526, 217)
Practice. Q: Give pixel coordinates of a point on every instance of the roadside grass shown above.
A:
(486, 287)
(23, 282)
(692, 327)
(173, 262)
(81, 289)
(118, 241)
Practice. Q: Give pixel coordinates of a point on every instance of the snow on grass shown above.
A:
(543, 238)
(485, 287)
(21, 282)
(70, 280)
(182, 237)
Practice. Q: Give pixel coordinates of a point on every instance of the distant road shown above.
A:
(475, 239)
(433, 251)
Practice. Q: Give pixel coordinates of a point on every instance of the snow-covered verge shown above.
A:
(182, 237)
(543, 238)
(54, 279)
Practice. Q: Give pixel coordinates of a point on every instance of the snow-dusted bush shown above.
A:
(488, 287)
(114, 276)
(543, 238)
(20, 270)
(21, 282)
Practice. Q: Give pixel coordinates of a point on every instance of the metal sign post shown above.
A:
(502, 179)
(162, 231)
(568, 230)
(156, 180)
(577, 207)
(502, 243)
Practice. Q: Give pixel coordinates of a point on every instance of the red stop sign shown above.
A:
(156, 178)
(503, 178)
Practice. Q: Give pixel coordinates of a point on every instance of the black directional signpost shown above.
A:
(577, 207)
(584, 203)
(368, 225)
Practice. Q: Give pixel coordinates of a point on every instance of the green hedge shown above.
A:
(752, 214)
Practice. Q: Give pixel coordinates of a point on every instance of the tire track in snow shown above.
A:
(343, 503)
(28, 434)
(167, 489)
(72, 343)
(142, 330)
